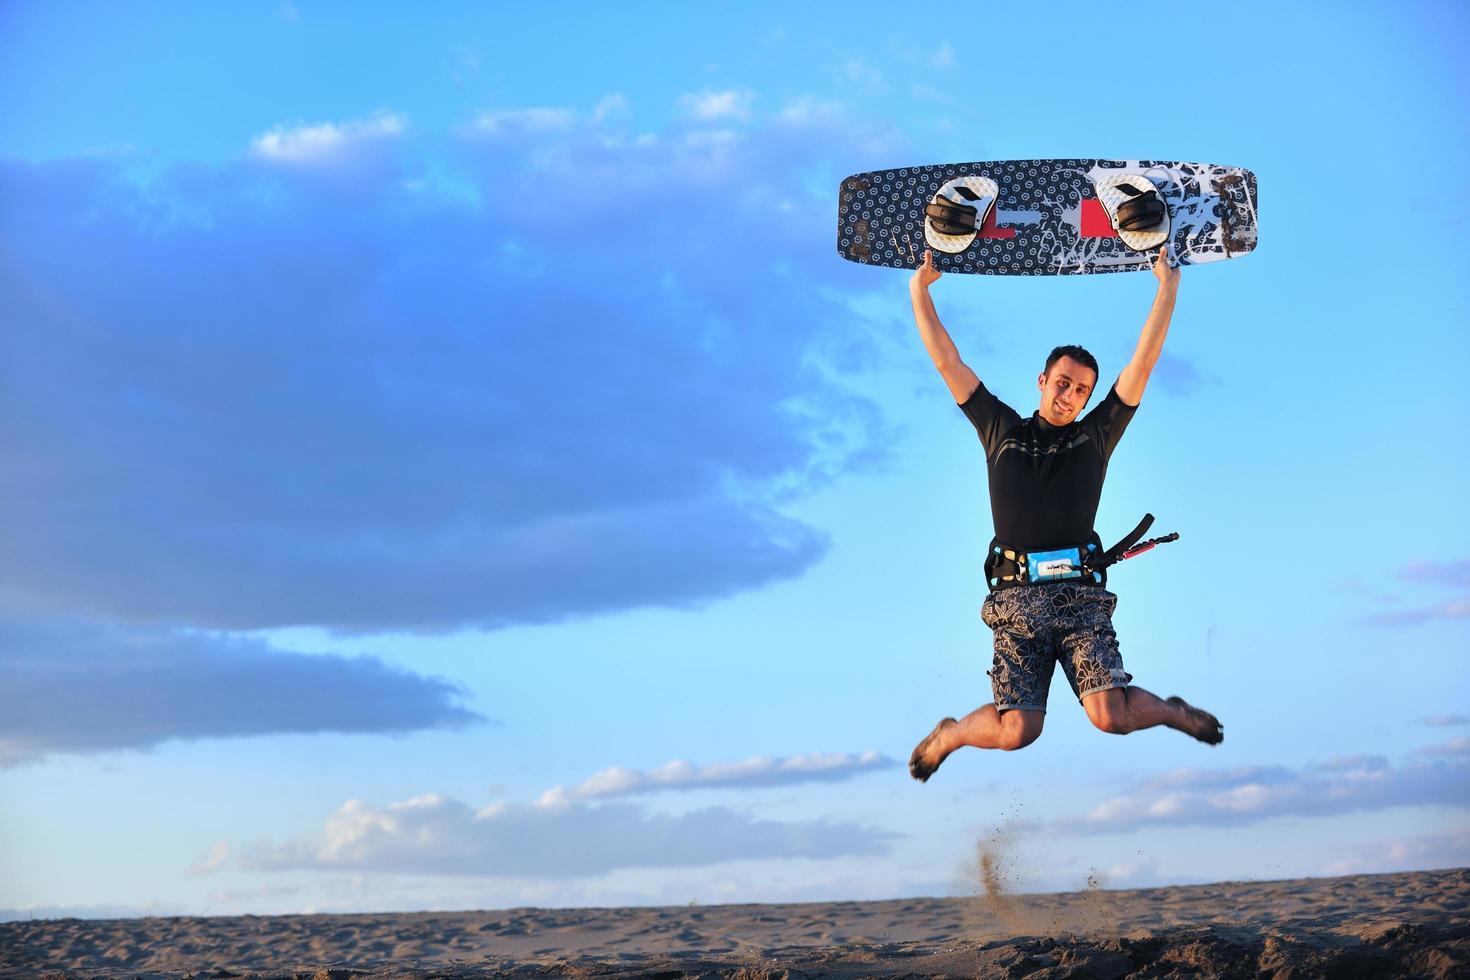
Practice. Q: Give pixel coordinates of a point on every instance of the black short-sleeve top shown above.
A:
(1045, 480)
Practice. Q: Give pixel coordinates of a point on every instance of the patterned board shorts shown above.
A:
(1038, 625)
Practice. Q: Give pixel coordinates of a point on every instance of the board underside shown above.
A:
(1047, 219)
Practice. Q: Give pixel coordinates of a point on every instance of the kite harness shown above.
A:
(1009, 567)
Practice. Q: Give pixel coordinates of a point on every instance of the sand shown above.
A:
(1398, 925)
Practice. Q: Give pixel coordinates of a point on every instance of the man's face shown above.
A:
(1065, 390)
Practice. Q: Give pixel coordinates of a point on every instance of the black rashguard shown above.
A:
(1045, 480)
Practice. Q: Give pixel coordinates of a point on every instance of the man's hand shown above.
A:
(1165, 271)
(926, 274)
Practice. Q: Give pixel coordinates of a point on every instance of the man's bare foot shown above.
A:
(1201, 724)
(927, 758)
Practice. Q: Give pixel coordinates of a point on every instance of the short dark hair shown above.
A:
(1076, 353)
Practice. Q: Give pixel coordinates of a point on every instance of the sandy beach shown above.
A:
(1396, 925)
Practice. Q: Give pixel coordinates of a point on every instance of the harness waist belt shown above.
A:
(1009, 567)
(1086, 563)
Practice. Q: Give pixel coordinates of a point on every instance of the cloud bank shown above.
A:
(752, 773)
(577, 375)
(325, 142)
(1450, 849)
(1431, 575)
(78, 687)
(709, 106)
(436, 835)
(1246, 795)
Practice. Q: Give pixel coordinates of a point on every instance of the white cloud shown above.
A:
(714, 106)
(1425, 575)
(944, 57)
(572, 833)
(544, 122)
(758, 771)
(1232, 797)
(1455, 748)
(521, 122)
(325, 142)
(858, 73)
(611, 106)
(1450, 849)
(432, 834)
(810, 110)
(1446, 573)
(217, 857)
(1458, 608)
(1446, 721)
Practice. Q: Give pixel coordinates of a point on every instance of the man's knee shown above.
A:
(1108, 710)
(1019, 728)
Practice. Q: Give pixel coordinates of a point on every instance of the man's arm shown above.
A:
(1151, 340)
(957, 374)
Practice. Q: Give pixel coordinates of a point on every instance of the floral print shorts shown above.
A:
(1038, 625)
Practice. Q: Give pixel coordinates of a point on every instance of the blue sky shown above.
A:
(446, 464)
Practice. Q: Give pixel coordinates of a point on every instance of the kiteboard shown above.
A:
(1047, 217)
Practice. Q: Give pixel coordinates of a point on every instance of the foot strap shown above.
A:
(1142, 212)
(950, 217)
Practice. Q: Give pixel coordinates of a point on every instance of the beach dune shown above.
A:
(1395, 925)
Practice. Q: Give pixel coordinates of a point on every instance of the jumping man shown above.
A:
(1046, 476)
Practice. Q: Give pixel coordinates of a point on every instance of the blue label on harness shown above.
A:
(1053, 566)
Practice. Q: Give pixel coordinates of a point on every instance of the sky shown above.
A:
(446, 465)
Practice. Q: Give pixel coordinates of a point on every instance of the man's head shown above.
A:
(1067, 383)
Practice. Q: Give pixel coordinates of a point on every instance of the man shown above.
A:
(1046, 475)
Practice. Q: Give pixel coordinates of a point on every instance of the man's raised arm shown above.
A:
(1151, 340)
(957, 374)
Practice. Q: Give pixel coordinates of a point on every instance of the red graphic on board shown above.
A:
(1095, 223)
(991, 230)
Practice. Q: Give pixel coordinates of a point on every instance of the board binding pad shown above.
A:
(1050, 217)
(976, 193)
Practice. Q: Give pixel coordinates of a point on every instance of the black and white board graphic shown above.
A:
(1048, 217)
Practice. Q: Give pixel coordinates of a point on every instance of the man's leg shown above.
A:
(1020, 675)
(1094, 668)
(1121, 710)
(984, 728)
